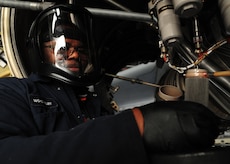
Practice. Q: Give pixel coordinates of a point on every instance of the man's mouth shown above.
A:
(72, 65)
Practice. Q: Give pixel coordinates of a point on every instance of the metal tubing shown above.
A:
(121, 14)
(25, 4)
(124, 15)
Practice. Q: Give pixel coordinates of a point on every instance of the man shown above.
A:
(53, 117)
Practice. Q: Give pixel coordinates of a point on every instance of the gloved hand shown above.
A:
(178, 126)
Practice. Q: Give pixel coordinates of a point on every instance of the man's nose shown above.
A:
(72, 54)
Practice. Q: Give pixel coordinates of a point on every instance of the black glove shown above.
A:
(178, 126)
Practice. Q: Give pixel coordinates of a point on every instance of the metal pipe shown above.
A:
(25, 4)
(124, 15)
(133, 16)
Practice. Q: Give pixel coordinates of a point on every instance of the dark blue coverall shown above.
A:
(41, 123)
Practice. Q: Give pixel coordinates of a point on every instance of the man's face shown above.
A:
(67, 54)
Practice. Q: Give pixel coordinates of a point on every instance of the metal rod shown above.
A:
(121, 14)
(124, 15)
(132, 80)
(220, 73)
(25, 4)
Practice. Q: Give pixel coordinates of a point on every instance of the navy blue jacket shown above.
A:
(41, 123)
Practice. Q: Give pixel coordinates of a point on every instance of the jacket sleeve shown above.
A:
(110, 139)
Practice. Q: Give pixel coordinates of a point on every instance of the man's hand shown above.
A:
(176, 126)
